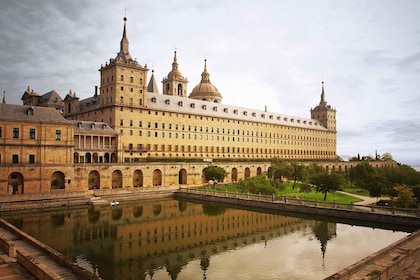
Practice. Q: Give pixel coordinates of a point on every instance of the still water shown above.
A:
(176, 239)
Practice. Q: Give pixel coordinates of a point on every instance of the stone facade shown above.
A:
(177, 126)
(129, 135)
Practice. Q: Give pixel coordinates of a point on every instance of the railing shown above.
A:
(306, 202)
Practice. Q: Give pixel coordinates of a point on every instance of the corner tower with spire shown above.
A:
(123, 79)
(324, 113)
(175, 83)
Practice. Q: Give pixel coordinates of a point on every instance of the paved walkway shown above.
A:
(367, 200)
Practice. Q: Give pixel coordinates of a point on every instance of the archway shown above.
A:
(106, 157)
(138, 178)
(95, 158)
(113, 157)
(182, 177)
(247, 172)
(88, 158)
(57, 181)
(15, 183)
(234, 175)
(117, 179)
(259, 171)
(94, 180)
(157, 177)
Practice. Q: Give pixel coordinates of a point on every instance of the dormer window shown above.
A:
(225, 110)
(215, 108)
(263, 116)
(167, 102)
(254, 114)
(180, 103)
(79, 125)
(154, 99)
(30, 111)
(204, 107)
(235, 112)
(192, 105)
(245, 113)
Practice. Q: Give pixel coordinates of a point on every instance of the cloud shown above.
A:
(410, 63)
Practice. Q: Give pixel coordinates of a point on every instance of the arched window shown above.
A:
(179, 90)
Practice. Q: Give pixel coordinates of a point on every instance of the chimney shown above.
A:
(96, 90)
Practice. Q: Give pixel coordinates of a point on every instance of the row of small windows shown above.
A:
(218, 149)
(236, 112)
(15, 159)
(32, 133)
(131, 79)
(218, 130)
(249, 123)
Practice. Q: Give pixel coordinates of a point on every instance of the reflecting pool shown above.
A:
(178, 239)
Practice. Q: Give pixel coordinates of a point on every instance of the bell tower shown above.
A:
(324, 113)
(123, 79)
(175, 83)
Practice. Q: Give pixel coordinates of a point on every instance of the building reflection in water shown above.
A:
(134, 240)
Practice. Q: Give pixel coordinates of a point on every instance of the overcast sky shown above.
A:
(259, 53)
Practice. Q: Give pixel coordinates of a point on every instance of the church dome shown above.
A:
(205, 90)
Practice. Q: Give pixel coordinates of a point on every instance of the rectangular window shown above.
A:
(32, 159)
(121, 122)
(131, 122)
(58, 134)
(15, 159)
(140, 123)
(122, 77)
(15, 133)
(32, 133)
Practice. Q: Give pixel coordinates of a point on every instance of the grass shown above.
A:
(289, 191)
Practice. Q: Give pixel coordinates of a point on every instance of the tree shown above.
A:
(281, 169)
(405, 196)
(325, 183)
(214, 172)
(387, 157)
(299, 172)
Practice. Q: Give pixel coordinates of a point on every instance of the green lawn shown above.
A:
(289, 191)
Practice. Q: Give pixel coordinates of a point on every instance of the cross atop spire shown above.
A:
(124, 45)
(322, 102)
(205, 76)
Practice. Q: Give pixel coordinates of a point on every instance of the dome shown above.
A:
(205, 90)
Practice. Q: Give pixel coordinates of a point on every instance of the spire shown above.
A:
(152, 86)
(124, 44)
(323, 94)
(175, 63)
(205, 76)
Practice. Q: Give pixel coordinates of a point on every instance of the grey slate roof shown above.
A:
(12, 112)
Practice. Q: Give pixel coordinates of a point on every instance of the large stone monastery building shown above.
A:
(197, 125)
(129, 135)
